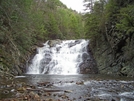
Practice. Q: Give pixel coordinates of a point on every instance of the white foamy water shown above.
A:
(63, 58)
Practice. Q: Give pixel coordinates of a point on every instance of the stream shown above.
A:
(44, 87)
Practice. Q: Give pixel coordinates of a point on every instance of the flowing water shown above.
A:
(87, 87)
(54, 75)
(64, 57)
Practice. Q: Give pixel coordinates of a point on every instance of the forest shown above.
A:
(109, 24)
(24, 24)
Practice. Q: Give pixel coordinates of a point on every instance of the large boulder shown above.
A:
(88, 66)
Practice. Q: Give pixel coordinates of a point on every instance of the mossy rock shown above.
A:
(125, 70)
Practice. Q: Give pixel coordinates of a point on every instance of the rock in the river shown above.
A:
(21, 89)
(67, 91)
(53, 43)
(74, 43)
(79, 82)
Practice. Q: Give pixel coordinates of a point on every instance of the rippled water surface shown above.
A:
(76, 87)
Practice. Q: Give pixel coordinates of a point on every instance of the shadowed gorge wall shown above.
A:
(110, 25)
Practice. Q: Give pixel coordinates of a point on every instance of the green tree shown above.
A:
(126, 20)
(95, 20)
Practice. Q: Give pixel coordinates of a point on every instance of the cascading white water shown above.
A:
(62, 58)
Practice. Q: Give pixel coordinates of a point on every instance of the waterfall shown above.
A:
(60, 57)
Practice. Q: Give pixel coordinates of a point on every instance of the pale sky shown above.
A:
(74, 4)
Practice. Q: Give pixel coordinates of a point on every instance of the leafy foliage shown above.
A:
(25, 23)
(126, 22)
(95, 20)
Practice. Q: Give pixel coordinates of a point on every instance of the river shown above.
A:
(93, 87)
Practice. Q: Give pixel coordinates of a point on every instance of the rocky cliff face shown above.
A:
(10, 59)
(114, 54)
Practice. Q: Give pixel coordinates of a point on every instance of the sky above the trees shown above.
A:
(74, 4)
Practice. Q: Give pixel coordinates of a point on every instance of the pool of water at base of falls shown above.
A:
(76, 87)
